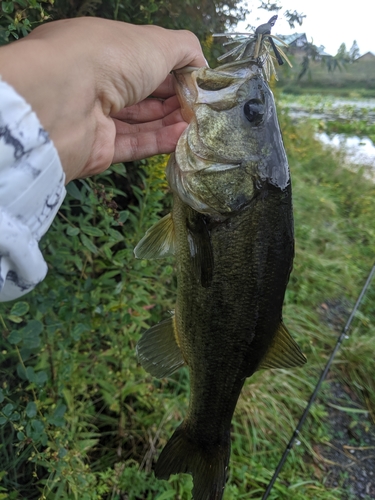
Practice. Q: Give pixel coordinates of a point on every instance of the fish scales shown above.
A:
(231, 233)
(237, 314)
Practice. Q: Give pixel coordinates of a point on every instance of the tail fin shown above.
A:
(208, 465)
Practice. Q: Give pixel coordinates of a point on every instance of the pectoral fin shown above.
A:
(284, 352)
(158, 351)
(158, 242)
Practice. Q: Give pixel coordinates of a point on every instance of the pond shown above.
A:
(359, 150)
(354, 116)
(329, 107)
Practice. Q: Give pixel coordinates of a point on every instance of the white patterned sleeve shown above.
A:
(31, 192)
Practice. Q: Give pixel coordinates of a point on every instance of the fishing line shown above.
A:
(322, 377)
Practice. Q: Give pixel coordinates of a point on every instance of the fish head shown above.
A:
(232, 145)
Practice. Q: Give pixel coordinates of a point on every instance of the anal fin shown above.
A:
(158, 351)
(283, 352)
(158, 242)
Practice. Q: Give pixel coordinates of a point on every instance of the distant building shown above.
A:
(300, 47)
(297, 40)
(368, 57)
(322, 52)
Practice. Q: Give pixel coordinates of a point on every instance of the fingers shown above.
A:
(166, 89)
(152, 127)
(148, 110)
(188, 50)
(148, 126)
(149, 55)
(130, 147)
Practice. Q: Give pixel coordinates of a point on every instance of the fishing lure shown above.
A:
(258, 45)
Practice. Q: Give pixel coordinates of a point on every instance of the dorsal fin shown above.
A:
(158, 351)
(158, 242)
(283, 352)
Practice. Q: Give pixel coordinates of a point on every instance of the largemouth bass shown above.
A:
(231, 232)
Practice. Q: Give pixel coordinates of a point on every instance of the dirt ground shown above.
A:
(348, 459)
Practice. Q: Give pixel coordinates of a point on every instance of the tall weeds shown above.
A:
(79, 419)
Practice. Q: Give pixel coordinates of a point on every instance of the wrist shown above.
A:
(45, 78)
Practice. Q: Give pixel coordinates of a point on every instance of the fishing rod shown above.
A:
(316, 390)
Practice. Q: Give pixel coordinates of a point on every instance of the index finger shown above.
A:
(165, 89)
(188, 50)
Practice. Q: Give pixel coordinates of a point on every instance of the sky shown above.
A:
(327, 22)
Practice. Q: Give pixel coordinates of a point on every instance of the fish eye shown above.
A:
(254, 111)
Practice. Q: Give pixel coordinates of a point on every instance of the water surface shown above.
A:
(358, 150)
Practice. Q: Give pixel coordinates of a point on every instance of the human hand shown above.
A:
(88, 80)
(153, 126)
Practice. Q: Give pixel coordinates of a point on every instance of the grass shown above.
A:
(79, 419)
(353, 80)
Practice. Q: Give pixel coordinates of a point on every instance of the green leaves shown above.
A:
(8, 414)
(32, 329)
(29, 335)
(57, 419)
(15, 337)
(69, 348)
(35, 430)
(92, 231)
(7, 7)
(7, 410)
(31, 409)
(88, 244)
(72, 231)
(124, 214)
(18, 310)
(78, 330)
(73, 190)
(38, 378)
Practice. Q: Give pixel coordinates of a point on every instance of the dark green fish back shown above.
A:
(224, 330)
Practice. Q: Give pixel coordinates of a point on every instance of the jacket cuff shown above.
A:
(31, 192)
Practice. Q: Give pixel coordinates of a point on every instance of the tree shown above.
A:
(332, 63)
(202, 17)
(343, 57)
(311, 54)
(354, 51)
(293, 17)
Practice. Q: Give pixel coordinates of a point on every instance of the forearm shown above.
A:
(43, 77)
(78, 73)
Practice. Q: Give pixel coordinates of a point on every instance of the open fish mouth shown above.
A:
(228, 114)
